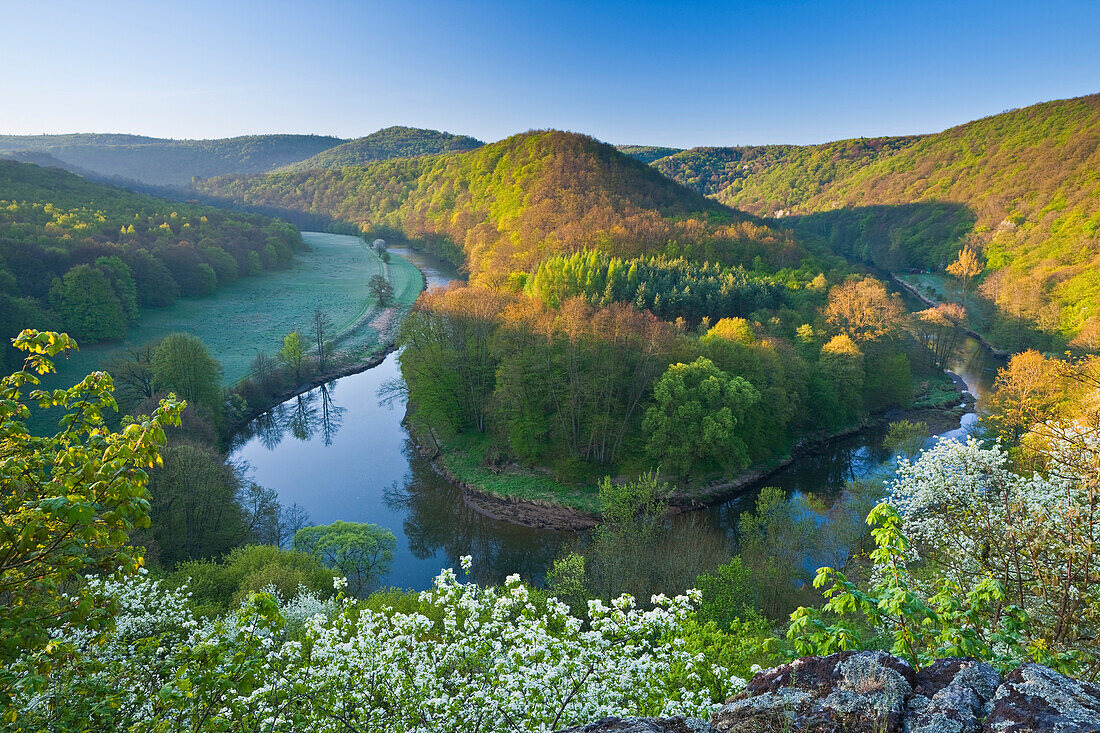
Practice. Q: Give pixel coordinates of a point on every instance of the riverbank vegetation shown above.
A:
(968, 556)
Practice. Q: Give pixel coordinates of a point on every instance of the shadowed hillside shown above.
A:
(162, 162)
(508, 205)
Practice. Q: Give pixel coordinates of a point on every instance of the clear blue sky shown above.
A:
(679, 74)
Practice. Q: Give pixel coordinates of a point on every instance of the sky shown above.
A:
(680, 74)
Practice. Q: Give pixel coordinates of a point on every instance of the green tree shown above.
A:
(182, 364)
(362, 552)
(69, 503)
(118, 274)
(697, 410)
(88, 305)
(381, 289)
(293, 353)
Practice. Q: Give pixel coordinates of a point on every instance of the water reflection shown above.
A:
(302, 417)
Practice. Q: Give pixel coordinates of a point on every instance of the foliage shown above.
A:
(950, 623)
(181, 364)
(85, 255)
(362, 552)
(467, 658)
(388, 143)
(380, 288)
(695, 416)
(293, 353)
(905, 438)
(70, 501)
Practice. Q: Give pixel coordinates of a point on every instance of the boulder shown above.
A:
(951, 696)
(853, 692)
(1036, 699)
(644, 725)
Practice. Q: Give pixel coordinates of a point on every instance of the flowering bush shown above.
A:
(473, 659)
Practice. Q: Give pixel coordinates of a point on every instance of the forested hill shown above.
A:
(391, 142)
(1024, 186)
(85, 257)
(509, 205)
(162, 162)
(647, 153)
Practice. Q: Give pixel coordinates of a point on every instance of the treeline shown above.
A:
(85, 258)
(390, 142)
(503, 208)
(668, 288)
(583, 385)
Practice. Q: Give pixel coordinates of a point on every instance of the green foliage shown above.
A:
(905, 438)
(381, 289)
(728, 593)
(697, 411)
(69, 503)
(361, 552)
(181, 364)
(647, 153)
(218, 586)
(924, 627)
(143, 251)
(388, 143)
(293, 352)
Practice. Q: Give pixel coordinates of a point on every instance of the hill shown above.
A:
(163, 162)
(647, 153)
(391, 142)
(1023, 186)
(506, 206)
(85, 257)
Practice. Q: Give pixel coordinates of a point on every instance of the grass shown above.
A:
(255, 313)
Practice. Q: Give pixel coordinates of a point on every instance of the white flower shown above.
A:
(339, 583)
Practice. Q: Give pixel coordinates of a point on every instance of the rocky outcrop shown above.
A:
(874, 692)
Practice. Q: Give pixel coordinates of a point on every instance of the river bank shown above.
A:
(540, 514)
(931, 303)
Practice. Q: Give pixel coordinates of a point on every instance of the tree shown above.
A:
(905, 438)
(182, 364)
(293, 353)
(967, 267)
(864, 310)
(88, 305)
(132, 372)
(381, 289)
(69, 503)
(320, 329)
(362, 552)
(697, 411)
(939, 330)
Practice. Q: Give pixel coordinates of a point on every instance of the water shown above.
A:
(342, 456)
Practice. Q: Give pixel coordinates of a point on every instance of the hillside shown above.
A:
(1023, 185)
(163, 162)
(647, 153)
(507, 206)
(85, 257)
(388, 143)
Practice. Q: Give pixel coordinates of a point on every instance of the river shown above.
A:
(341, 455)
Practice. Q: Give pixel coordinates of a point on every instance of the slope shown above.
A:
(391, 142)
(1023, 185)
(163, 162)
(507, 206)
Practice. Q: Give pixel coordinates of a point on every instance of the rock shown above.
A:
(644, 725)
(950, 697)
(847, 691)
(1036, 699)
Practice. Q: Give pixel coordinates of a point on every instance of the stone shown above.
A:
(851, 692)
(1036, 699)
(950, 697)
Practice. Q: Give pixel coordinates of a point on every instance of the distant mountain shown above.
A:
(386, 144)
(162, 162)
(506, 206)
(1022, 185)
(647, 153)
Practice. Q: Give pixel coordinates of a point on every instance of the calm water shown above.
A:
(341, 455)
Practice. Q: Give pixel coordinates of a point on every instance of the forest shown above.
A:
(86, 258)
(387, 143)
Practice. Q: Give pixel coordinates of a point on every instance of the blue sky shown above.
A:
(679, 74)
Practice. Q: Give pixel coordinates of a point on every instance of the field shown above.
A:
(255, 313)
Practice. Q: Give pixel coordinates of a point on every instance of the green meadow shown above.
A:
(255, 313)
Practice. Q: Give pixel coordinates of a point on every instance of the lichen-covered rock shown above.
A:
(1036, 699)
(950, 697)
(853, 692)
(644, 725)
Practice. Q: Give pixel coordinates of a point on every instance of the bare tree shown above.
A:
(321, 329)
